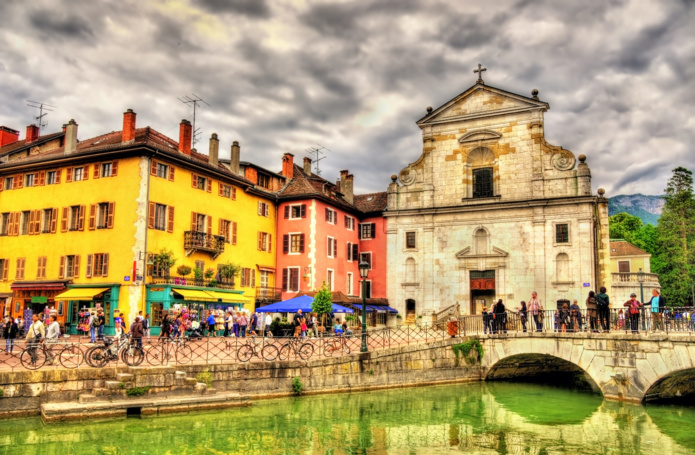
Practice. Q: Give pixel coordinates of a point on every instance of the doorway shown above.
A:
(482, 290)
(410, 309)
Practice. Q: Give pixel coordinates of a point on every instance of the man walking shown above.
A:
(101, 322)
(536, 309)
(52, 335)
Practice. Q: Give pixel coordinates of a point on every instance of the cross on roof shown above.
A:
(480, 74)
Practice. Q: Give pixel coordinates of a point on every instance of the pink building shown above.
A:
(324, 231)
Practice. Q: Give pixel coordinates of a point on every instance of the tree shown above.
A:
(323, 303)
(624, 226)
(675, 239)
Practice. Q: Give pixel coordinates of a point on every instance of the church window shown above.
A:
(562, 233)
(562, 265)
(482, 182)
(410, 240)
(481, 238)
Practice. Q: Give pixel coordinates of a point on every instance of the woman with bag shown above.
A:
(633, 306)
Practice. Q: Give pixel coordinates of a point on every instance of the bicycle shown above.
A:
(335, 344)
(246, 351)
(176, 348)
(35, 355)
(109, 349)
(294, 345)
(71, 356)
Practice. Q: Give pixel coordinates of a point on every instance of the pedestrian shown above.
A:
(35, 334)
(10, 333)
(227, 323)
(315, 324)
(564, 318)
(52, 335)
(575, 317)
(297, 323)
(621, 319)
(137, 331)
(211, 324)
(657, 305)
(165, 331)
(146, 326)
(253, 323)
(101, 319)
(176, 327)
(235, 324)
(536, 310)
(603, 303)
(486, 321)
(500, 316)
(523, 315)
(592, 311)
(633, 306)
(243, 323)
(268, 323)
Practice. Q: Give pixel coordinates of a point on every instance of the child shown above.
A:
(338, 328)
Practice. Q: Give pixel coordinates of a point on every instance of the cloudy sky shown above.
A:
(354, 76)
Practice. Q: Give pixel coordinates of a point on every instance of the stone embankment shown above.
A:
(89, 393)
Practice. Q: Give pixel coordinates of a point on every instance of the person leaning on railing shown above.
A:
(633, 308)
(658, 303)
(536, 310)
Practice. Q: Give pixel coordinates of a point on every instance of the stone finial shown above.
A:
(394, 177)
(429, 109)
(582, 158)
(601, 192)
(534, 93)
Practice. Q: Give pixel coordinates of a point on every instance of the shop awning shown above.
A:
(80, 294)
(227, 297)
(195, 295)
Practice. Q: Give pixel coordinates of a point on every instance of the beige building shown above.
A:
(630, 266)
(491, 210)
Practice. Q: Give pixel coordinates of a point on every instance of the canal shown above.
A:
(471, 418)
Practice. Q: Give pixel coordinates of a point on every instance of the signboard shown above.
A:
(586, 285)
(126, 278)
(39, 299)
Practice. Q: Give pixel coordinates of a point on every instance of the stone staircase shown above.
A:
(410, 319)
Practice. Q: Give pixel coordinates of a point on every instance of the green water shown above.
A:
(471, 418)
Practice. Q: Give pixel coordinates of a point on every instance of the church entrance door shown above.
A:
(482, 290)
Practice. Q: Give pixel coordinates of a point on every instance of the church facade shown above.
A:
(491, 211)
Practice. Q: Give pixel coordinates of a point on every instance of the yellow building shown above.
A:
(631, 272)
(86, 224)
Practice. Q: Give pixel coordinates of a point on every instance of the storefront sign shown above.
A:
(586, 285)
(39, 299)
(156, 289)
(126, 278)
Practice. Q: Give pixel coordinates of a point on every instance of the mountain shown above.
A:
(647, 208)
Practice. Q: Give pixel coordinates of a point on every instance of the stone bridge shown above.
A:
(643, 367)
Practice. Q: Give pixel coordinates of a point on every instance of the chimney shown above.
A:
(307, 166)
(128, 133)
(70, 137)
(337, 185)
(8, 136)
(32, 133)
(234, 159)
(288, 165)
(214, 152)
(346, 187)
(185, 136)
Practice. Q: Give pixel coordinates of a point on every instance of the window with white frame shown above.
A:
(331, 216)
(291, 279)
(29, 180)
(332, 247)
(366, 257)
(263, 209)
(367, 231)
(329, 279)
(349, 223)
(296, 211)
(348, 284)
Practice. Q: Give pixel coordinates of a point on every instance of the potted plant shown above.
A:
(163, 261)
(198, 274)
(184, 270)
(209, 273)
(228, 271)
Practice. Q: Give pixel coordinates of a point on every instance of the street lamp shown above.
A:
(640, 278)
(364, 272)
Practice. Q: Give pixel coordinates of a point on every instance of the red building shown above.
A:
(323, 233)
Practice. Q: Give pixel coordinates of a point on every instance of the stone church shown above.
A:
(491, 211)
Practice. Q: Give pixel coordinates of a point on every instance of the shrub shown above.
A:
(466, 348)
(198, 273)
(183, 270)
(137, 391)
(206, 377)
(209, 273)
(297, 385)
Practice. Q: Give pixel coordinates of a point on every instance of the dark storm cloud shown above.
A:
(252, 8)
(58, 25)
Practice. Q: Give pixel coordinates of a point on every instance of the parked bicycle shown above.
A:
(295, 346)
(268, 352)
(72, 355)
(168, 349)
(36, 354)
(331, 345)
(109, 350)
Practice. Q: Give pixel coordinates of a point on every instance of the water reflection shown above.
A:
(475, 418)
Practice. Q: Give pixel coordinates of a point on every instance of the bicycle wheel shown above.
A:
(285, 352)
(184, 354)
(132, 356)
(32, 358)
(244, 353)
(96, 356)
(71, 356)
(346, 346)
(154, 355)
(306, 350)
(269, 352)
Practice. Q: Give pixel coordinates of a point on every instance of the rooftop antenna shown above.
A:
(194, 101)
(41, 107)
(316, 153)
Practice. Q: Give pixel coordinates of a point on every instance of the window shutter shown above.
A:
(80, 225)
(287, 212)
(209, 181)
(30, 229)
(220, 228)
(105, 266)
(17, 218)
(5, 269)
(259, 238)
(68, 175)
(233, 232)
(303, 210)
(54, 220)
(112, 214)
(150, 215)
(285, 243)
(359, 231)
(2, 183)
(301, 243)
(253, 277)
(194, 224)
(20, 181)
(243, 278)
(85, 173)
(259, 208)
(64, 220)
(335, 248)
(170, 220)
(76, 267)
(14, 183)
(153, 168)
(194, 181)
(90, 260)
(372, 228)
(328, 215)
(171, 173)
(92, 219)
(348, 255)
(209, 224)
(37, 221)
(234, 193)
(42, 178)
(355, 252)
(346, 221)
(270, 243)
(284, 279)
(219, 189)
(59, 172)
(114, 168)
(61, 271)
(97, 169)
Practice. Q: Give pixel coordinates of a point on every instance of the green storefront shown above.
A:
(196, 300)
(83, 300)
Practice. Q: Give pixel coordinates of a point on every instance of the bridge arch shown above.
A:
(676, 387)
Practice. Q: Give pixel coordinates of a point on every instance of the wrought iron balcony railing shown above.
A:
(200, 241)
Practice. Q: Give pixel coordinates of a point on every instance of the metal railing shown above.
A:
(270, 294)
(194, 240)
(189, 281)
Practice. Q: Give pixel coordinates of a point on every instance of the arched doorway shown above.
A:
(410, 311)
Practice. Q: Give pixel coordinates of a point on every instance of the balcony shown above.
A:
(268, 295)
(632, 279)
(189, 281)
(200, 241)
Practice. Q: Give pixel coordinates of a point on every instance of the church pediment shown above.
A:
(481, 100)
(476, 136)
(468, 253)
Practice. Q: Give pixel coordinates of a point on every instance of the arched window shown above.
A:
(481, 164)
(562, 267)
(481, 241)
(410, 271)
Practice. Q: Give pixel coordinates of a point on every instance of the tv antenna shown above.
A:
(194, 101)
(44, 109)
(316, 153)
